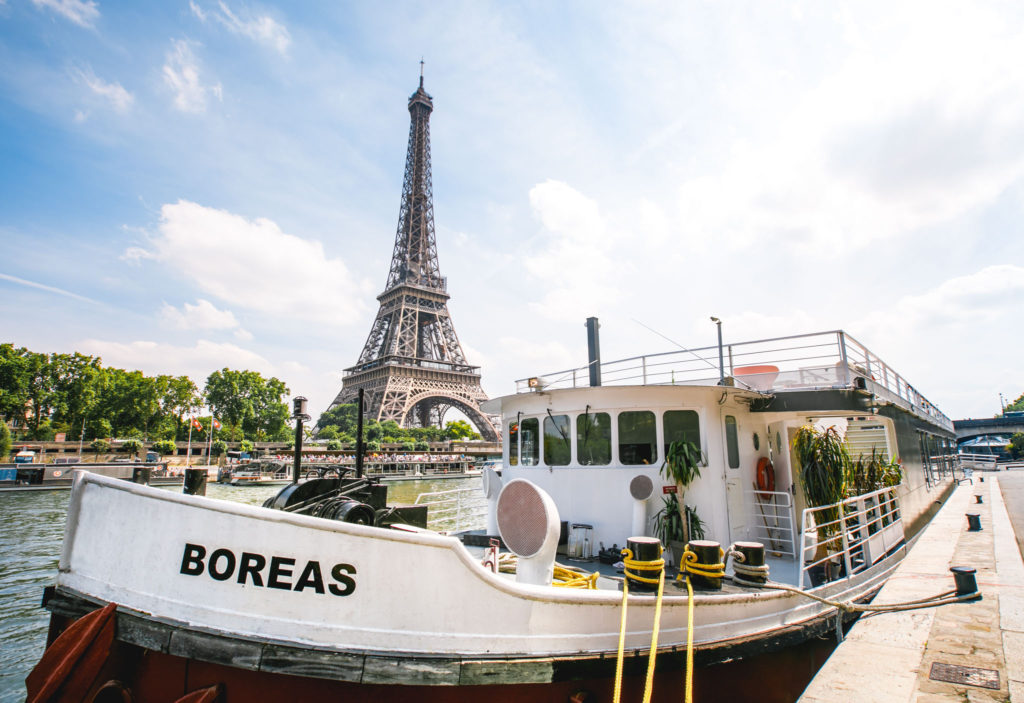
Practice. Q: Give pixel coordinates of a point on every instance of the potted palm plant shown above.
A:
(824, 463)
(679, 522)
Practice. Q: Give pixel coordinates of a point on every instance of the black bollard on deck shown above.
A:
(644, 549)
(964, 578)
(195, 482)
(973, 522)
(708, 553)
(977, 498)
(141, 474)
(753, 555)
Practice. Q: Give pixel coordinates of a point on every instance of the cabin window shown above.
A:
(557, 449)
(529, 431)
(513, 444)
(681, 426)
(594, 439)
(732, 444)
(638, 438)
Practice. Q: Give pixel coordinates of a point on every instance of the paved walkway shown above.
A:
(890, 657)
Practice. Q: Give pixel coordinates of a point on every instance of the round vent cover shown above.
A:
(522, 518)
(641, 487)
(492, 483)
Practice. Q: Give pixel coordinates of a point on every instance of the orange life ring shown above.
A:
(765, 475)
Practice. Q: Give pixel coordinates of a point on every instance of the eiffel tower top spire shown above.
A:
(414, 261)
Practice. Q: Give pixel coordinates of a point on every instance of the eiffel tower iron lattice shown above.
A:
(412, 367)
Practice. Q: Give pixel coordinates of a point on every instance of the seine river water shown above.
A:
(30, 536)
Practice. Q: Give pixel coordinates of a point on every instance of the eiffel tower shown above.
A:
(412, 367)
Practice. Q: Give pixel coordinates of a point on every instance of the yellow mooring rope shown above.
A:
(631, 563)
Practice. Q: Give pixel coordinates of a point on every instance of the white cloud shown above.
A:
(197, 361)
(904, 135)
(201, 316)
(572, 257)
(83, 13)
(262, 29)
(114, 93)
(252, 264)
(181, 74)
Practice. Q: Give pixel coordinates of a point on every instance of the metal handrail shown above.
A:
(773, 520)
(863, 520)
(831, 359)
(455, 510)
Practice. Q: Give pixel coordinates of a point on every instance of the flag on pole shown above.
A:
(196, 424)
(216, 425)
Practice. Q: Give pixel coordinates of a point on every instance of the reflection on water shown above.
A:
(30, 539)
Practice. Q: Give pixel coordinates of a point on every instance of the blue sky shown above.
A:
(192, 185)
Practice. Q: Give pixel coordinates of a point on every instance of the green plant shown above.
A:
(422, 446)
(219, 447)
(245, 446)
(372, 446)
(682, 463)
(669, 525)
(165, 447)
(100, 446)
(334, 445)
(824, 463)
(5, 439)
(132, 446)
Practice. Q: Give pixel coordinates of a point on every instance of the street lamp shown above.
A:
(298, 414)
(721, 358)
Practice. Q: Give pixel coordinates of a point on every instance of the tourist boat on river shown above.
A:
(327, 592)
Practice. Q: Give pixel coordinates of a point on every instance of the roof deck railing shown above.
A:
(822, 360)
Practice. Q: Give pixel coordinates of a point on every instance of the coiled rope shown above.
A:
(692, 565)
(563, 576)
(631, 563)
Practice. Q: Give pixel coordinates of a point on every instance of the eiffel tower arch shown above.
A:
(412, 367)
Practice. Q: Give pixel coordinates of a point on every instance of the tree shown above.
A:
(1015, 406)
(132, 446)
(100, 446)
(219, 447)
(1016, 447)
(5, 439)
(329, 432)
(245, 446)
(460, 429)
(164, 447)
(334, 445)
(345, 417)
(246, 400)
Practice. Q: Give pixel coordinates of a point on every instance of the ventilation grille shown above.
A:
(522, 519)
(641, 487)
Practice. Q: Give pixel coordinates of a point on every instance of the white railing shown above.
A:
(773, 521)
(856, 533)
(455, 510)
(979, 461)
(812, 361)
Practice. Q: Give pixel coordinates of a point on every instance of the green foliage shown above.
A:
(329, 432)
(43, 432)
(132, 446)
(682, 463)
(1016, 446)
(219, 448)
(459, 429)
(866, 475)
(334, 445)
(373, 446)
(422, 446)
(164, 447)
(246, 446)
(823, 467)
(246, 400)
(408, 446)
(1016, 405)
(100, 446)
(669, 525)
(5, 440)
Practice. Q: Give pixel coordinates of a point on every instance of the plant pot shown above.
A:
(675, 550)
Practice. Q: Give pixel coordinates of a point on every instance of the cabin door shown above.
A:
(735, 483)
